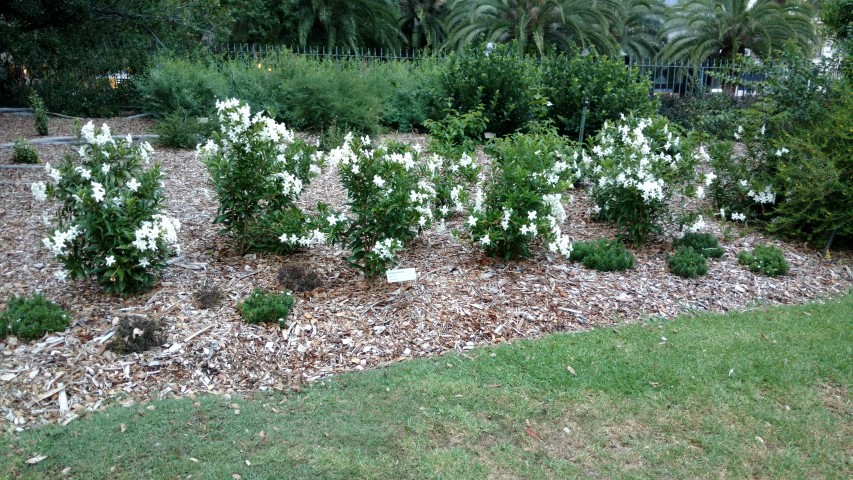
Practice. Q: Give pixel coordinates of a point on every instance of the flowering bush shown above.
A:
(259, 169)
(742, 183)
(522, 199)
(109, 223)
(390, 201)
(638, 167)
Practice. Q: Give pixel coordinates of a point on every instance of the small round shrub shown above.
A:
(765, 259)
(703, 243)
(687, 263)
(262, 307)
(24, 152)
(32, 317)
(603, 255)
(136, 335)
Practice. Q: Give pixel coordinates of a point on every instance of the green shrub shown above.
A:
(404, 88)
(456, 134)
(603, 255)
(504, 82)
(32, 317)
(765, 259)
(319, 96)
(262, 307)
(183, 86)
(613, 89)
(703, 243)
(67, 93)
(716, 114)
(136, 335)
(39, 113)
(24, 152)
(687, 262)
(816, 177)
(177, 130)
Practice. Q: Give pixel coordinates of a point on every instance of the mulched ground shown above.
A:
(460, 300)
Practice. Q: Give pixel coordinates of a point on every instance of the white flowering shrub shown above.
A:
(638, 167)
(390, 201)
(259, 168)
(109, 222)
(522, 199)
(744, 174)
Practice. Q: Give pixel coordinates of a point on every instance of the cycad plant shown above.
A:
(422, 22)
(535, 24)
(698, 30)
(348, 23)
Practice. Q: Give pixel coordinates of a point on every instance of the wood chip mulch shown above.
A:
(460, 300)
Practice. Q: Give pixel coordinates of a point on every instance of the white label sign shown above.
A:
(401, 275)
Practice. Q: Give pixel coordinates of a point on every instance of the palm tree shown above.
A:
(636, 27)
(348, 23)
(706, 29)
(422, 22)
(535, 24)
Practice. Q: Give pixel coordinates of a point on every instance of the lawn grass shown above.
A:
(763, 394)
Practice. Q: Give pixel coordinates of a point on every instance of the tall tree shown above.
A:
(701, 29)
(348, 23)
(422, 22)
(535, 24)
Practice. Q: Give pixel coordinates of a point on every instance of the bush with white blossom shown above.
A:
(638, 167)
(109, 223)
(523, 198)
(390, 202)
(259, 168)
(744, 174)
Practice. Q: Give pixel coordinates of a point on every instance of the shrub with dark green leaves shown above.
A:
(764, 259)
(178, 130)
(136, 335)
(703, 243)
(262, 307)
(611, 87)
(457, 134)
(39, 113)
(603, 255)
(32, 317)
(187, 87)
(687, 262)
(24, 152)
(504, 82)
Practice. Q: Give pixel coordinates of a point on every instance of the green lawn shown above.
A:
(763, 394)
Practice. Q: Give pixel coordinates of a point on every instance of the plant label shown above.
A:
(401, 275)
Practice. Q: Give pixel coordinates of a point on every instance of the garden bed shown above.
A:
(460, 299)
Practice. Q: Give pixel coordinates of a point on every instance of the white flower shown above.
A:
(709, 178)
(332, 220)
(98, 191)
(39, 190)
(105, 168)
(84, 172)
(133, 184)
(61, 275)
(52, 172)
(109, 261)
(723, 213)
(315, 169)
(88, 132)
(472, 221)
(531, 215)
(144, 262)
(378, 181)
(485, 240)
(700, 192)
(782, 151)
(738, 217)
